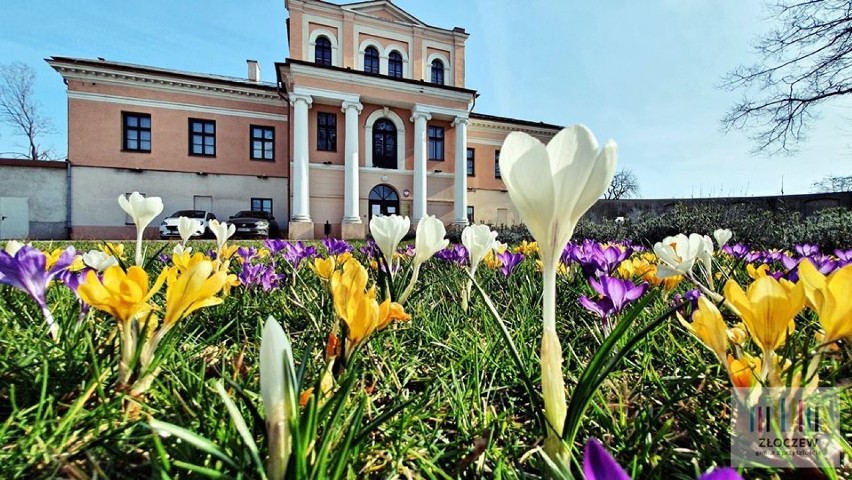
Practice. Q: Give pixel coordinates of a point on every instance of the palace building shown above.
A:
(370, 115)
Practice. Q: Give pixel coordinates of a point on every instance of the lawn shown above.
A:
(448, 388)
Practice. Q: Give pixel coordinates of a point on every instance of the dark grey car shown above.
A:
(254, 224)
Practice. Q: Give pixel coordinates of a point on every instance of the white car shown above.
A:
(169, 225)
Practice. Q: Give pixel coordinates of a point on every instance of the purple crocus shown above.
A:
(453, 254)
(737, 250)
(614, 294)
(259, 276)
(275, 245)
(370, 250)
(509, 261)
(806, 249)
(598, 464)
(72, 281)
(293, 253)
(844, 257)
(690, 298)
(27, 270)
(335, 247)
(594, 258)
(407, 250)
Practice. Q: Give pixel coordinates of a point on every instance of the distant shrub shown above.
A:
(762, 228)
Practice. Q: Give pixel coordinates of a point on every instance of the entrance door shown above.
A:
(14, 218)
(383, 200)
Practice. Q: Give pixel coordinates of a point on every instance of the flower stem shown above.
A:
(139, 232)
(410, 287)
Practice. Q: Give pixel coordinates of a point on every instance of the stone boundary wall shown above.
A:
(45, 186)
(806, 204)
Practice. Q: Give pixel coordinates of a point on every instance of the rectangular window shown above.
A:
(326, 132)
(202, 137)
(261, 205)
(497, 164)
(436, 143)
(471, 162)
(470, 214)
(262, 143)
(136, 132)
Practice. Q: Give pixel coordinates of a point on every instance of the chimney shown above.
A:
(253, 70)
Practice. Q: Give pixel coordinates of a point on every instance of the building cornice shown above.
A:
(501, 124)
(299, 67)
(184, 107)
(163, 80)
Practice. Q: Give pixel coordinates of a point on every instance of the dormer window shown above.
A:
(395, 64)
(322, 51)
(371, 60)
(437, 72)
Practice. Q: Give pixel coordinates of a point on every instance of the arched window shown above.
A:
(395, 64)
(383, 200)
(371, 60)
(322, 51)
(437, 72)
(384, 144)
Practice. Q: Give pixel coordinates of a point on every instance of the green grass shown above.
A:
(445, 386)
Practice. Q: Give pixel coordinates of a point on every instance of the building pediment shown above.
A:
(385, 10)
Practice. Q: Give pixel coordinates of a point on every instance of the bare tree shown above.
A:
(19, 108)
(624, 185)
(807, 60)
(832, 183)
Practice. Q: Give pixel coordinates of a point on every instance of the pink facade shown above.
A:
(370, 116)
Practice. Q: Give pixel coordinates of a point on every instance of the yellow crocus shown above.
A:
(768, 309)
(491, 261)
(323, 267)
(390, 311)
(757, 272)
(829, 297)
(708, 326)
(343, 258)
(192, 289)
(738, 334)
(357, 306)
(743, 371)
(527, 248)
(352, 303)
(124, 295)
(114, 249)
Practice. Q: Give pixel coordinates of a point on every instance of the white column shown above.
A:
(460, 184)
(419, 118)
(300, 175)
(351, 196)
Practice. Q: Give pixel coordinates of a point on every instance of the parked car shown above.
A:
(254, 224)
(169, 225)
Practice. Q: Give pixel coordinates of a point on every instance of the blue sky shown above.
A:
(642, 73)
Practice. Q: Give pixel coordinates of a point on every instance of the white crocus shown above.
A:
(278, 390)
(222, 231)
(722, 236)
(387, 232)
(99, 260)
(552, 187)
(677, 254)
(180, 249)
(705, 256)
(429, 241)
(12, 247)
(142, 210)
(187, 227)
(478, 240)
